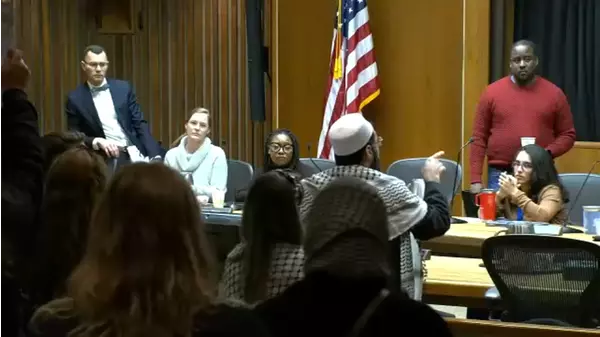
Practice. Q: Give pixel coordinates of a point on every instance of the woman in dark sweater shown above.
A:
(281, 152)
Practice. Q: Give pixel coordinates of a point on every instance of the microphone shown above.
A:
(458, 156)
(312, 161)
(565, 227)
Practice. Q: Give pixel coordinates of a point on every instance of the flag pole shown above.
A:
(337, 69)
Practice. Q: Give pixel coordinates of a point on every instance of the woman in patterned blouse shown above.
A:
(270, 257)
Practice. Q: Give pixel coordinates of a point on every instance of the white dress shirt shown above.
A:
(108, 117)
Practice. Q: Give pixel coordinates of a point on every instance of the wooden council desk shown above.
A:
(456, 281)
(479, 328)
(465, 240)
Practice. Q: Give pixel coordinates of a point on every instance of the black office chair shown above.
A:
(410, 169)
(239, 176)
(316, 165)
(545, 279)
(590, 195)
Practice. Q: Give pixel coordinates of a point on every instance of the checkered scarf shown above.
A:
(403, 208)
(287, 262)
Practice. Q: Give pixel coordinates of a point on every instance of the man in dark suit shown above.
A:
(107, 112)
(22, 186)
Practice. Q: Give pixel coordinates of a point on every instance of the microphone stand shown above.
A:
(565, 228)
(312, 161)
(453, 219)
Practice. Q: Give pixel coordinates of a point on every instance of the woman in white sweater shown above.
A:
(195, 157)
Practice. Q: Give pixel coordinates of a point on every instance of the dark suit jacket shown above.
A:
(22, 161)
(82, 116)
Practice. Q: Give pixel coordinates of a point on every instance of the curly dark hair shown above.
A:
(268, 164)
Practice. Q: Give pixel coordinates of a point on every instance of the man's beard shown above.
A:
(376, 164)
(524, 81)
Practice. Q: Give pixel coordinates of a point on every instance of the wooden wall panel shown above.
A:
(476, 77)
(420, 72)
(183, 54)
(419, 54)
(580, 158)
(301, 56)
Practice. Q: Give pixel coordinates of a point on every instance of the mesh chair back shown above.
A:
(545, 277)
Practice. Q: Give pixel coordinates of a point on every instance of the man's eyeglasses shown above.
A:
(95, 65)
(277, 147)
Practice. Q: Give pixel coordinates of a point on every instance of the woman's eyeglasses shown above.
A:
(277, 147)
(524, 164)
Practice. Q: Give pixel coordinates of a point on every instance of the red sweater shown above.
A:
(507, 112)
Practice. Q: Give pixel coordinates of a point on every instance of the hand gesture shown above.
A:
(433, 168)
(508, 185)
(15, 73)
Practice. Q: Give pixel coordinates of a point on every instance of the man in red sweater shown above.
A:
(519, 105)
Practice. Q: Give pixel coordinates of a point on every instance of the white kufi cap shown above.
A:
(350, 133)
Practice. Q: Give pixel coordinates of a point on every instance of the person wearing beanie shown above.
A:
(347, 268)
(356, 147)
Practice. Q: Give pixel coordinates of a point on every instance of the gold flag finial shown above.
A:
(337, 67)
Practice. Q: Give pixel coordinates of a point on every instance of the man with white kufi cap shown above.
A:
(356, 148)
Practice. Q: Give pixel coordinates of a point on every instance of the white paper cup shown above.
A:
(202, 199)
(527, 141)
(218, 198)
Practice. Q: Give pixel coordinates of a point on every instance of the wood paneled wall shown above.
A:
(431, 71)
(183, 54)
(7, 26)
(476, 71)
(580, 158)
(419, 54)
(301, 43)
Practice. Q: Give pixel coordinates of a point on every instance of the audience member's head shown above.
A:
(147, 268)
(355, 142)
(74, 183)
(347, 231)
(197, 128)
(281, 150)
(270, 217)
(55, 143)
(534, 169)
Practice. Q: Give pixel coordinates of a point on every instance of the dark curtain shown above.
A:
(256, 62)
(498, 58)
(567, 35)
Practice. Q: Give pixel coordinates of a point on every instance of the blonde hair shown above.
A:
(194, 111)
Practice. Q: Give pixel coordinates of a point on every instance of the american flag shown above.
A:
(352, 81)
